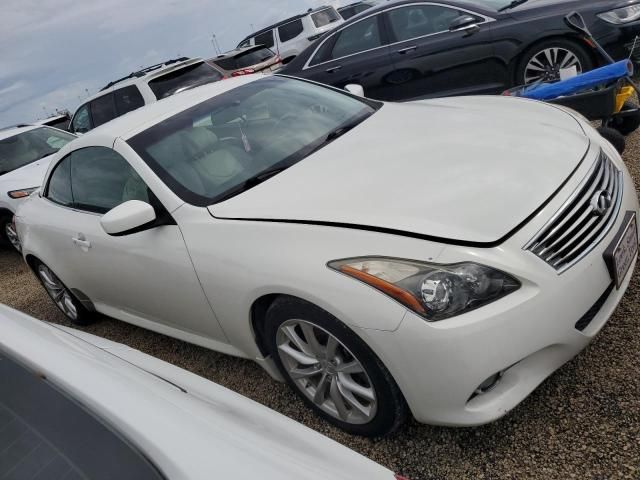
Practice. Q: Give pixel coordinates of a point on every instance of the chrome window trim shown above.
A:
(71, 209)
(307, 65)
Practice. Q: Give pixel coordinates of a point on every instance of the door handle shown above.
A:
(333, 69)
(402, 51)
(84, 244)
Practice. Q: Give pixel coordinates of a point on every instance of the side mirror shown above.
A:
(464, 22)
(355, 89)
(575, 21)
(127, 217)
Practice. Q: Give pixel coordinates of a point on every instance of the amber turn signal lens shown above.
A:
(390, 289)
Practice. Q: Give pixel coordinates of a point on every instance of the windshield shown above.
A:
(184, 78)
(213, 148)
(245, 59)
(325, 17)
(27, 147)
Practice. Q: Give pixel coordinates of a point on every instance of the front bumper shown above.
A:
(526, 335)
(619, 41)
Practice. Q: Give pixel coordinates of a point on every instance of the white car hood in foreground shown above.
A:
(197, 431)
(469, 169)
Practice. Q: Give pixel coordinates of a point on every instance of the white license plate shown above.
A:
(623, 251)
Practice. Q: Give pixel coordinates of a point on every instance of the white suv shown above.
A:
(25, 154)
(141, 88)
(291, 36)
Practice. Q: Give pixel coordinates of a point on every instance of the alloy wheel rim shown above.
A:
(12, 235)
(58, 292)
(546, 65)
(326, 372)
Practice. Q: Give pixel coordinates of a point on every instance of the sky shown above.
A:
(57, 52)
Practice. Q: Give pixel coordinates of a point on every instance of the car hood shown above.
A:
(467, 169)
(30, 175)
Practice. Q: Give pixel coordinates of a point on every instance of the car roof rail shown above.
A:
(142, 72)
(284, 22)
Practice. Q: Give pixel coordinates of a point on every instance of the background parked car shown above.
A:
(58, 121)
(142, 88)
(409, 50)
(80, 406)
(25, 154)
(291, 36)
(353, 9)
(246, 60)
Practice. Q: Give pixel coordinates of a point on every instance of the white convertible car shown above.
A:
(82, 407)
(440, 258)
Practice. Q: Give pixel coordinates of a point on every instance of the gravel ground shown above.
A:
(582, 423)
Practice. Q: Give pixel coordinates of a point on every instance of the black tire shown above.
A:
(627, 124)
(4, 241)
(586, 61)
(614, 137)
(82, 316)
(391, 409)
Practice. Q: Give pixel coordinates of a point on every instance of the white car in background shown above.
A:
(141, 88)
(434, 255)
(25, 154)
(80, 406)
(291, 36)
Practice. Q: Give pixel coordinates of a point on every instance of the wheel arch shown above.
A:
(31, 260)
(257, 317)
(571, 37)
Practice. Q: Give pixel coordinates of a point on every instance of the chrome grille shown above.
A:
(583, 220)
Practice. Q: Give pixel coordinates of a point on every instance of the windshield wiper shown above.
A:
(251, 182)
(278, 168)
(45, 155)
(513, 4)
(334, 134)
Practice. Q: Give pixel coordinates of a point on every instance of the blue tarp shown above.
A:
(585, 81)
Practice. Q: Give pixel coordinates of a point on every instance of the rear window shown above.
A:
(183, 79)
(245, 59)
(46, 435)
(325, 17)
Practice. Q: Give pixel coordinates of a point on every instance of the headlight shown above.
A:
(25, 192)
(433, 291)
(622, 15)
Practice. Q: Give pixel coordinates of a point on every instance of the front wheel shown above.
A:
(333, 370)
(64, 299)
(543, 62)
(8, 235)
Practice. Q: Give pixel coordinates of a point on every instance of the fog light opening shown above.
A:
(488, 385)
